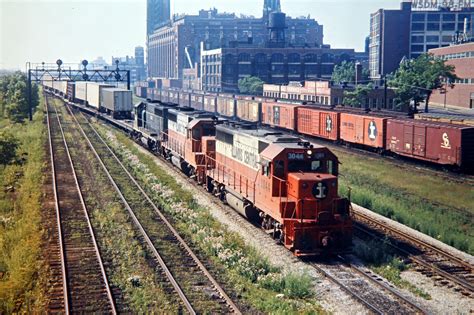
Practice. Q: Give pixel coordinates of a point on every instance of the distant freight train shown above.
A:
(435, 142)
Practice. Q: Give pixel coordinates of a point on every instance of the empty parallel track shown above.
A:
(196, 287)
(84, 282)
(376, 295)
(433, 260)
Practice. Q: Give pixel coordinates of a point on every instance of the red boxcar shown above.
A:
(249, 110)
(197, 101)
(185, 99)
(226, 106)
(282, 115)
(441, 143)
(363, 129)
(318, 122)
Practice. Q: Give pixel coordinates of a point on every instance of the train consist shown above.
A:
(287, 185)
(435, 142)
(102, 97)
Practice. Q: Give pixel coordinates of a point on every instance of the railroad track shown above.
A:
(85, 287)
(366, 287)
(198, 291)
(431, 260)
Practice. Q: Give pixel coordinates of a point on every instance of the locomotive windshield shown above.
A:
(314, 166)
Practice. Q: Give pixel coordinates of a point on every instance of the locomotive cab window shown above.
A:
(279, 169)
(315, 165)
(196, 133)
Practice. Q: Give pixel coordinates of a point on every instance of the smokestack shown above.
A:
(358, 73)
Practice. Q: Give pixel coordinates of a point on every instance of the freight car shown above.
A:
(440, 143)
(117, 102)
(364, 129)
(197, 101)
(280, 115)
(318, 122)
(287, 183)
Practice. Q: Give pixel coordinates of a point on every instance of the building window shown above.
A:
(449, 17)
(418, 26)
(433, 27)
(417, 48)
(432, 38)
(434, 17)
(449, 26)
(418, 17)
(418, 39)
(428, 47)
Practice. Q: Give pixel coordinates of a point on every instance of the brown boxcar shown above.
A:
(280, 115)
(226, 106)
(441, 143)
(249, 110)
(164, 96)
(185, 99)
(363, 129)
(210, 103)
(173, 96)
(318, 122)
(197, 101)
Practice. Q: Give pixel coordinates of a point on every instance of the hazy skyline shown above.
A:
(45, 30)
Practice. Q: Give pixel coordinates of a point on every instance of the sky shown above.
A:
(71, 30)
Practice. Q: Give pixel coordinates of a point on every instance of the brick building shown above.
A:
(462, 94)
(414, 29)
(176, 45)
(327, 93)
(222, 68)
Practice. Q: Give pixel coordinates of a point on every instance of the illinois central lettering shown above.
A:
(244, 155)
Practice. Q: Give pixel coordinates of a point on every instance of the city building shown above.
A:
(327, 93)
(136, 64)
(462, 93)
(175, 46)
(414, 29)
(158, 12)
(222, 68)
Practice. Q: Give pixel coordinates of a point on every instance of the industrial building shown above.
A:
(461, 94)
(176, 45)
(328, 93)
(222, 68)
(157, 13)
(415, 28)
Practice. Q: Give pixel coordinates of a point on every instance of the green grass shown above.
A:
(259, 283)
(431, 204)
(20, 219)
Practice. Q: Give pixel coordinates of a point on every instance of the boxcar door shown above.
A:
(408, 139)
(419, 141)
(276, 115)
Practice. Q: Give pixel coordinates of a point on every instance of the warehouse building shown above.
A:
(328, 93)
(175, 46)
(462, 93)
(414, 29)
(222, 68)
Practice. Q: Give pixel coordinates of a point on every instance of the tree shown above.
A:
(416, 79)
(8, 146)
(345, 72)
(357, 97)
(14, 96)
(251, 85)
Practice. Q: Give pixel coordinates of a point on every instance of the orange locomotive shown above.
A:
(290, 185)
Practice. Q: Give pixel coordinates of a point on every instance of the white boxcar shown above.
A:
(93, 92)
(81, 91)
(116, 101)
(60, 87)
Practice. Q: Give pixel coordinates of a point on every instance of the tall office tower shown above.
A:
(158, 12)
(270, 6)
(139, 56)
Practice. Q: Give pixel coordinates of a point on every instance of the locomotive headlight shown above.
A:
(309, 152)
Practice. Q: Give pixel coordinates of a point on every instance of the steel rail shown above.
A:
(383, 286)
(56, 206)
(465, 284)
(351, 292)
(157, 255)
(86, 214)
(168, 224)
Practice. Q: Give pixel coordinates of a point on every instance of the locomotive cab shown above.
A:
(304, 183)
